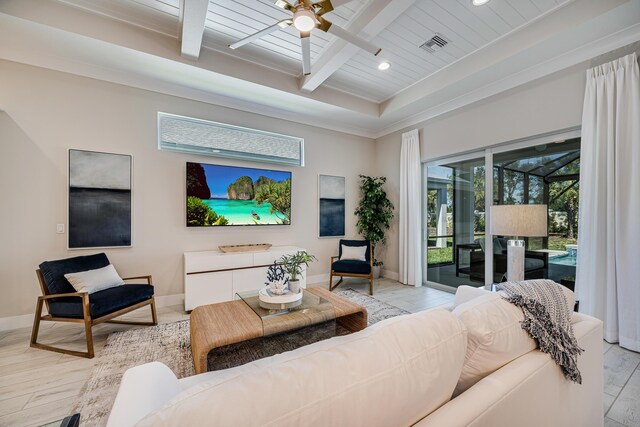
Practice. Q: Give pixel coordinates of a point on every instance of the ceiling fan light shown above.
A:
(479, 2)
(304, 20)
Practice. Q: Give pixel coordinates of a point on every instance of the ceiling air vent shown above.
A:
(435, 43)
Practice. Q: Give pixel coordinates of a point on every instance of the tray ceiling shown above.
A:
(180, 47)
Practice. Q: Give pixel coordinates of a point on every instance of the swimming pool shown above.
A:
(567, 258)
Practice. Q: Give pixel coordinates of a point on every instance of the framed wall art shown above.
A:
(331, 206)
(99, 199)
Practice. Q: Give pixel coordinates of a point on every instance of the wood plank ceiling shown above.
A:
(467, 27)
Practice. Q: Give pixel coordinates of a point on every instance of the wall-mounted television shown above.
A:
(229, 195)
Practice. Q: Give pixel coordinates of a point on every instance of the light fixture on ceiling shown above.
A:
(479, 2)
(304, 20)
(384, 66)
(308, 15)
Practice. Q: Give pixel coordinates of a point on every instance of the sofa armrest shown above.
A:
(143, 389)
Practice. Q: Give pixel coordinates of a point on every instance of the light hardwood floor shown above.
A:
(37, 386)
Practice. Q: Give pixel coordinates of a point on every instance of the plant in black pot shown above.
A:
(292, 265)
(375, 212)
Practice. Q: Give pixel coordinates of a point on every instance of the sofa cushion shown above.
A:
(101, 302)
(351, 266)
(495, 337)
(533, 264)
(53, 271)
(92, 281)
(394, 373)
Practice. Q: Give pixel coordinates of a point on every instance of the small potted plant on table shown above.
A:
(292, 264)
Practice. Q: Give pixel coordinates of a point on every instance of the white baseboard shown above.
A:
(169, 300)
(317, 278)
(26, 320)
(16, 322)
(393, 275)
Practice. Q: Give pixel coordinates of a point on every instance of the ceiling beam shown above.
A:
(369, 22)
(193, 14)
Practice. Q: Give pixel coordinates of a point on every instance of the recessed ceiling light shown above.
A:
(479, 2)
(383, 66)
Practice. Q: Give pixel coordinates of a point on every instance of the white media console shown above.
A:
(215, 276)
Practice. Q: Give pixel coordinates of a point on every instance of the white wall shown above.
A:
(47, 112)
(546, 105)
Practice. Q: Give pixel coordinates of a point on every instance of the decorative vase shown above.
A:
(376, 271)
(294, 286)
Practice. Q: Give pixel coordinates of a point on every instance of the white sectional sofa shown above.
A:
(398, 372)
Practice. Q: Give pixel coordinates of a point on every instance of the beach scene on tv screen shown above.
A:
(229, 195)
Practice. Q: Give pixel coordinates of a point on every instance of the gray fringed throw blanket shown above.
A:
(547, 318)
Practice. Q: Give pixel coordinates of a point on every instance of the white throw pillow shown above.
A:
(495, 337)
(95, 280)
(356, 253)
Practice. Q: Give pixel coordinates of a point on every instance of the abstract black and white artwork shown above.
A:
(331, 193)
(99, 199)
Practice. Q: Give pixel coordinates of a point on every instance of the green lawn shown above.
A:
(439, 256)
(559, 243)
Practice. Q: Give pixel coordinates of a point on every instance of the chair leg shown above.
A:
(87, 326)
(371, 284)
(331, 280)
(36, 323)
(36, 328)
(154, 315)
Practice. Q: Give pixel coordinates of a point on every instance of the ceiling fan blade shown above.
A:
(326, 6)
(283, 4)
(282, 24)
(345, 35)
(305, 41)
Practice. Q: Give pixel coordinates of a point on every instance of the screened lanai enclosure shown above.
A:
(455, 206)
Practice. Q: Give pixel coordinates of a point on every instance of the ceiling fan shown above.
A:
(307, 15)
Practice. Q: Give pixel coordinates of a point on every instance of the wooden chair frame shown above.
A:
(86, 319)
(343, 275)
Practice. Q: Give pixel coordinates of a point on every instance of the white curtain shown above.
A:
(608, 271)
(410, 230)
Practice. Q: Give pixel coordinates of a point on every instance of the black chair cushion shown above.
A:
(367, 254)
(351, 266)
(101, 302)
(53, 271)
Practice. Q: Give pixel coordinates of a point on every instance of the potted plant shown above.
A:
(375, 212)
(292, 265)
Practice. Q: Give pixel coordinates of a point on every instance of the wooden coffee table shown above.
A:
(217, 325)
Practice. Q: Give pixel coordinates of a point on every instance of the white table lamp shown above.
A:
(518, 221)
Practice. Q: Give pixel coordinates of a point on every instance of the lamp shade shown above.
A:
(519, 220)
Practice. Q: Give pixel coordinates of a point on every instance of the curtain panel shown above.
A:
(409, 218)
(608, 270)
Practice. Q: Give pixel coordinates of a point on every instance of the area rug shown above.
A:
(169, 343)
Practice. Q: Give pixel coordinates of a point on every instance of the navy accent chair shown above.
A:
(64, 304)
(352, 268)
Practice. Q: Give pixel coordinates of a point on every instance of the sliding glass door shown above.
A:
(542, 174)
(454, 222)
(456, 195)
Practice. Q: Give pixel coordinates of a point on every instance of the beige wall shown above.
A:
(47, 112)
(547, 105)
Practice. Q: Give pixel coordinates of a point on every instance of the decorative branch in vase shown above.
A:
(276, 279)
(292, 265)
